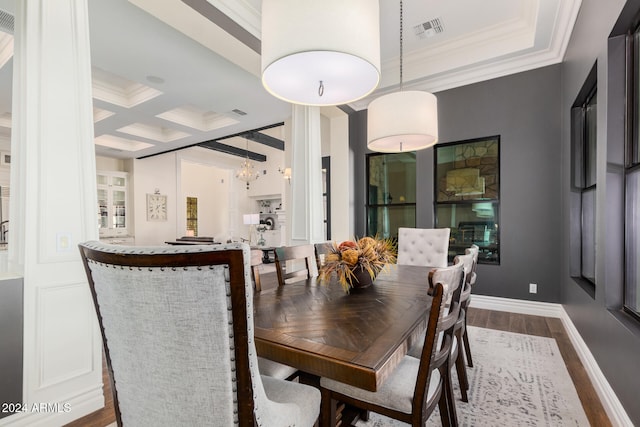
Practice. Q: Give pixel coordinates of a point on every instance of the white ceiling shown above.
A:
(165, 76)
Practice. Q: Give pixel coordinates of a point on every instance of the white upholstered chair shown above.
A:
(266, 366)
(423, 246)
(413, 389)
(457, 357)
(473, 250)
(460, 330)
(177, 327)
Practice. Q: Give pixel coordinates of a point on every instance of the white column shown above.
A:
(53, 208)
(342, 222)
(305, 207)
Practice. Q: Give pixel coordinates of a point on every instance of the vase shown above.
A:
(361, 279)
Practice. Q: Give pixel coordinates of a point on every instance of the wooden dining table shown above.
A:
(357, 338)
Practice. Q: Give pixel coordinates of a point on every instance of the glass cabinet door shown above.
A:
(103, 208)
(118, 181)
(112, 203)
(119, 202)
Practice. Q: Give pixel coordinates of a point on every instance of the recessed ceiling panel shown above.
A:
(156, 133)
(6, 48)
(101, 114)
(123, 144)
(197, 118)
(117, 90)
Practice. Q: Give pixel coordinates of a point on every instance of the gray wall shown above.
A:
(524, 110)
(531, 113)
(612, 338)
(10, 342)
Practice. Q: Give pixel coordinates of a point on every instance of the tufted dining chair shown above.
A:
(412, 391)
(467, 264)
(423, 246)
(177, 328)
(473, 250)
(460, 329)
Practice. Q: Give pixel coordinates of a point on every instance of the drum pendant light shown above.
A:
(402, 121)
(320, 52)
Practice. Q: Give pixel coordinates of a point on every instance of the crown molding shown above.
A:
(450, 65)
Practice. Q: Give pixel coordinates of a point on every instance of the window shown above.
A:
(467, 188)
(584, 139)
(192, 216)
(392, 193)
(632, 191)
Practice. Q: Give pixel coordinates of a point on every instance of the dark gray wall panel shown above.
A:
(613, 339)
(358, 145)
(524, 110)
(11, 321)
(613, 342)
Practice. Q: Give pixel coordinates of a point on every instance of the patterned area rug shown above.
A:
(517, 380)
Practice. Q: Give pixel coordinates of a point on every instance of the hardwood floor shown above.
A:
(104, 416)
(510, 322)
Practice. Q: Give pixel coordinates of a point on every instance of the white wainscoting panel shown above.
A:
(65, 321)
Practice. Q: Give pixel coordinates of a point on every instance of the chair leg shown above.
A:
(327, 409)
(443, 406)
(448, 391)
(467, 349)
(461, 369)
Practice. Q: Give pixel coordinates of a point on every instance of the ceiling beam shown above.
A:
(215, 15)
(265, 139)
(228, 149)
(253, 135)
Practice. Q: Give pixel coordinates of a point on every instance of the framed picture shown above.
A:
(468, 170)
(5, 158)
(156, 207)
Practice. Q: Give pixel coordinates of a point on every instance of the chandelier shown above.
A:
(247, 172)
(404, 120)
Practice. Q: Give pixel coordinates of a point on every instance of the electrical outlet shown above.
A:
(533, 288)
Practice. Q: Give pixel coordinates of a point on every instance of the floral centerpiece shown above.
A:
(358, 261)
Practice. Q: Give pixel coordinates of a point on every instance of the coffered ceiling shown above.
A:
(174, 73)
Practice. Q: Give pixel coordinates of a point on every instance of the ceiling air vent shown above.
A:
(428, 29)
(6, 22)
(239, 112)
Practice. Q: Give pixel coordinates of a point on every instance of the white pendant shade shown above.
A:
(402, 121)
(320, 52)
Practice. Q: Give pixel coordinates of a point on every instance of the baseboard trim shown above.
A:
(534, 308)
(610, 401)
(81, 405)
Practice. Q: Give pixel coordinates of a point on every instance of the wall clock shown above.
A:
(156, 207)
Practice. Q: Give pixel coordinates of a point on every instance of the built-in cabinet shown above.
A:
(270, 230)
(113, 216)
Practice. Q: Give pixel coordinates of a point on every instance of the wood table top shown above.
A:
(356, 338)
